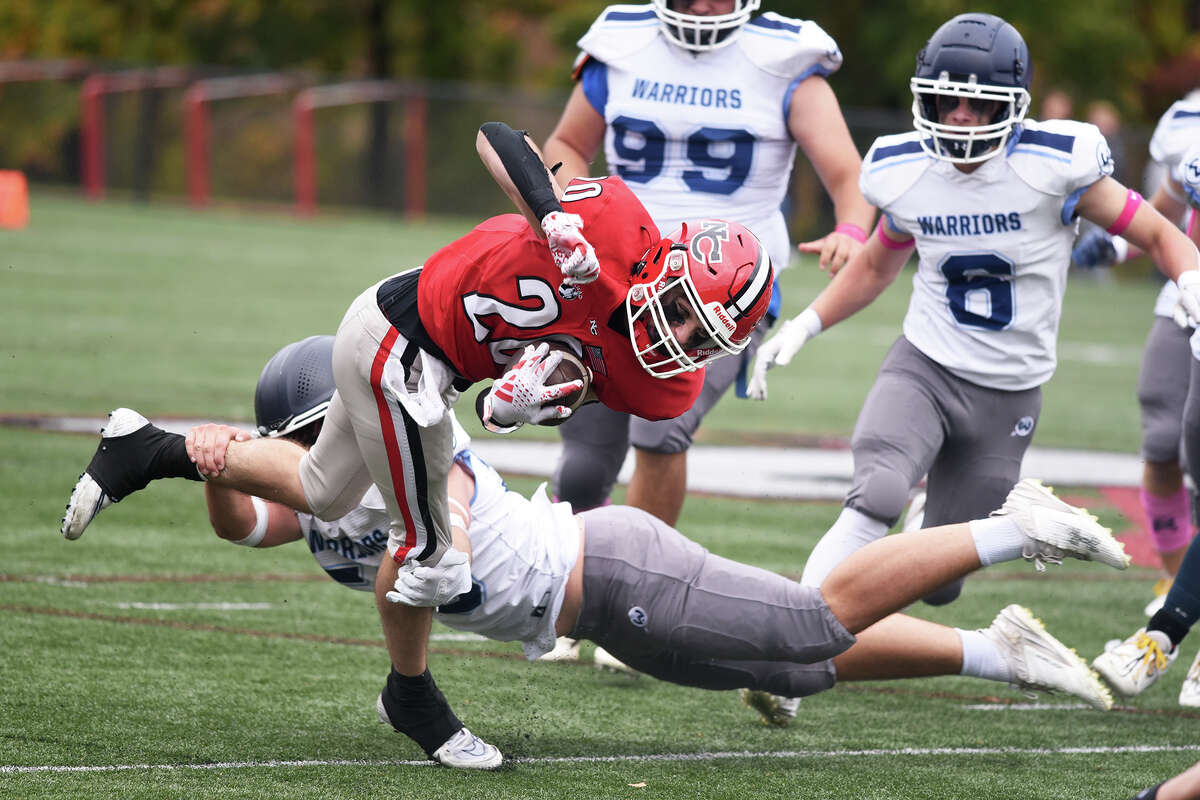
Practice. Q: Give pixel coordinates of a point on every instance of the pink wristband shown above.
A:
(853, 231)
(889, 242)
(1132, 201)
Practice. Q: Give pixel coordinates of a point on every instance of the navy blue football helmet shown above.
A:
(295, 387)
(984, 59)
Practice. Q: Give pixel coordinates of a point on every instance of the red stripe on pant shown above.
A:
(391, 445)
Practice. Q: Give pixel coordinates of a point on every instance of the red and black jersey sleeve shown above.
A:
(482, 297)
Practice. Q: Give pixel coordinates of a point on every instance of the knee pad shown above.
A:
(947, 594)
(665, 437)
(585, 476)
(881, 493)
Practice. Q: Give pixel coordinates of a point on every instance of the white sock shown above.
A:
(997, 539)
(852, 530)
(981, 658)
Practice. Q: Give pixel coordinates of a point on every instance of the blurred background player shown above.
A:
(648, 313)
(1135, 664)
(1162, 385)
(989, 200)
(699, 108)
(587, 574)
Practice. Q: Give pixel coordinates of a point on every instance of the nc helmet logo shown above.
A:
(1024, 427)
(637, 616)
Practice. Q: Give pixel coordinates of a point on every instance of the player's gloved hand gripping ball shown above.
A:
(572, 253)
(522, 394)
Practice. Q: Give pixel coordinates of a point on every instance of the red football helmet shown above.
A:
(701, 292)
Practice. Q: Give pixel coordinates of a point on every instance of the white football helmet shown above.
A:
(698, 32)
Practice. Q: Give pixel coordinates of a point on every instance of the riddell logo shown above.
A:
(723, 318)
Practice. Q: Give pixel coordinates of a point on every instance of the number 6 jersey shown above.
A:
(993, 245)
(702, 134)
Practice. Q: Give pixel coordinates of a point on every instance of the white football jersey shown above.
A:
(522, 553)
(1176, 131)
(1186, 172)
(993, 246)
(703, 134)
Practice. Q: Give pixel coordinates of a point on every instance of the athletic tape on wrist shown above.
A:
(853, 231)
(810, 320)
(262, 516)
(888, 242)
(456, 521)
(1132, 201)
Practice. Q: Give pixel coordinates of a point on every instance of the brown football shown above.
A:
(571, 368)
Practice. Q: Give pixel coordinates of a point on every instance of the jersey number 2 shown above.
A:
(642, 142)
(979, 290)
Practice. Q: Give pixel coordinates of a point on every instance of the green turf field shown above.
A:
(151, 660)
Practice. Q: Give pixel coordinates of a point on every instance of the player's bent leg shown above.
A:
(132, 452)
(659, 482)
(595, 440)
(1033, 524)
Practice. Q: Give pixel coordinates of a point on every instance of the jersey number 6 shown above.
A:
(979, 290)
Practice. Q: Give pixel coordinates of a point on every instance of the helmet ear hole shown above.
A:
(295, 387)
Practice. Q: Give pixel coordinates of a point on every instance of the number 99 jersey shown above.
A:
(702, 134)
(993, 246)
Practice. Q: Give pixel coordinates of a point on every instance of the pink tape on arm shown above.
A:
(1132, 201)
(853, 231)
(1170, 519)
(888, 242)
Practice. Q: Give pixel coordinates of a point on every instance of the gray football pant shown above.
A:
(1162, 390)
(596, 438)
(920, 419)
(667, 607)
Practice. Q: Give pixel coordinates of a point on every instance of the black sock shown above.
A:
(125, 464)
(418, 709)
(1181, 606)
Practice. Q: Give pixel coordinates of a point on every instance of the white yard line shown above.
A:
(903, 752)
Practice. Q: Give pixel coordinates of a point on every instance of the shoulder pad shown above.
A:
(892, 166)
(1177, 129)
(620, 31)
(789, 48)
(1059, 156)
(1187, 173)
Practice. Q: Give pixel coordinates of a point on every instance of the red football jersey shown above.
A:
(484, 296)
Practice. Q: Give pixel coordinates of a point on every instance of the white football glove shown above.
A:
(521, 394)
(1189, 294)
(434, 586)
(781, 348)
(572, 253)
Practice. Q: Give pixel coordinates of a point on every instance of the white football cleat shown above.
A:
(463, 750)
(776, 711)
(565, 649)
(1189, 693)
(1055, 529)
(1135, 664)
(1038, 661)
(602, 659)
(102, 484)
